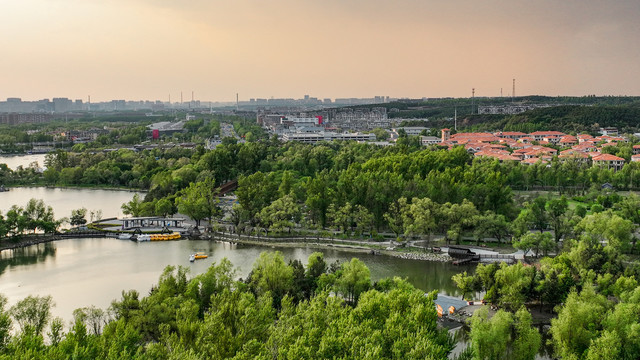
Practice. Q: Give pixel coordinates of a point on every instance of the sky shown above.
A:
(153, 49)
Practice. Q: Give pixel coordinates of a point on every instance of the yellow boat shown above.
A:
(200, 255)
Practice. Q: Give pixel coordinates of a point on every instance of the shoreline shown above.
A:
(345, 248)
(30, 240)
(27, 240)
(79, 187)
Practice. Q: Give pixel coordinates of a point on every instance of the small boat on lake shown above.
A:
(125, 236)
(144, 237)
(198, 255)
(192, 257)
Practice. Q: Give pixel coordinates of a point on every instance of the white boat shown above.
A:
(124, 236)
(192, 257)
(144, 237)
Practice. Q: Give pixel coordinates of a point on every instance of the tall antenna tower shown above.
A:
(513, 92)
(455, 118)
(181, 101)
(237, 103)
(473, 98)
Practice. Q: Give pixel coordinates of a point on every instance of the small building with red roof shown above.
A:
(609, 161)
(539, 135)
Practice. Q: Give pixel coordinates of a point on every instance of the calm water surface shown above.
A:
(14, 161)
(64, 200)
(83, 272)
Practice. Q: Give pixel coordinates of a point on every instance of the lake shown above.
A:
(63, 200)
(22, 160)
(83, 272)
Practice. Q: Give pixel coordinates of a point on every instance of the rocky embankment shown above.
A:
(422, 256)
(27, 240)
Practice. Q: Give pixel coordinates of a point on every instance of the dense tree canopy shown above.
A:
(213, 316)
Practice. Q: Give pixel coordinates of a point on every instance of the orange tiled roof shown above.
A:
(607, 157)
(547, 133)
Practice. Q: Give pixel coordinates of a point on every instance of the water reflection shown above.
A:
(84, 272)
(26, 256)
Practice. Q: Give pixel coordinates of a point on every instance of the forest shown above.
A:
(580, 239)
(281, 310)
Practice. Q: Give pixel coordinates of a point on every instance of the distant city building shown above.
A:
(33, 118)
(429, 140)
(609, 131)
(166, 128)
(312, 138)
(360, 119)
(411, 130)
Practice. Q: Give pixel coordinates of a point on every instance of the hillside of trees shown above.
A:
(285, 311)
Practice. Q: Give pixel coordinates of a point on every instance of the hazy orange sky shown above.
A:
(148, 49)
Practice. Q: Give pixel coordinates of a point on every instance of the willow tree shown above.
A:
(199, 201)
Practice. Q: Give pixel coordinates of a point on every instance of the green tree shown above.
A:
(32, 313)
(536, 242)
(492, 225)
(199, 201)
(421, 217)
(514, 284)
(5, 324)
(272, 275)
(578, 322)
(132, 207)
(163, 207)
(608, 228)
(78, 217)
(395, 216)
(527, 339)
(354, 279)
(283, 213)
(464, 282)
(490, 337)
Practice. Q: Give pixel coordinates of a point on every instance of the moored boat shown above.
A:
(144, 237)
(192, 257)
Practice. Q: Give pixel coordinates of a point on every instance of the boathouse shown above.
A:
(151, 222)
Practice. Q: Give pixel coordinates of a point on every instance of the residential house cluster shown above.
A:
(534, 147)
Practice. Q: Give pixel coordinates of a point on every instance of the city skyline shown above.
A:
(144, 49)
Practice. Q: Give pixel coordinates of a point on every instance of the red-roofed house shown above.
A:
(609, 161)
(568, 141)
(585, 147)
(539, 135)
(552, 139)
(574, 154)
(515, 135)
(584, 137)
(636, 149)
(635, 158)
(479, 137)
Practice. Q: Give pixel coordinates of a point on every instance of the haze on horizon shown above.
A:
(148, 49)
